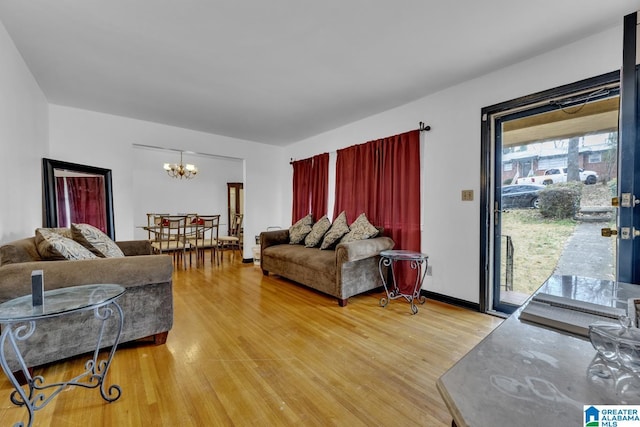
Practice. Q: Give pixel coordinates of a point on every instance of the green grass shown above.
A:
(538, 243)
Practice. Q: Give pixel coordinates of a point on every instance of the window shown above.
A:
(595, 157)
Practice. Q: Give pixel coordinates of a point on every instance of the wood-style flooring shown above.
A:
(250, 350)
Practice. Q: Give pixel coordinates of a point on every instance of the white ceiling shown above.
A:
(282, 70)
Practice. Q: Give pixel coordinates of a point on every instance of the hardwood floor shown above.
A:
(252, 350)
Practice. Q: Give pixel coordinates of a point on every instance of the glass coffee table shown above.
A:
(417, 261)
(18, 318)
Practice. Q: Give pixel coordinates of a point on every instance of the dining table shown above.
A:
(186, 234)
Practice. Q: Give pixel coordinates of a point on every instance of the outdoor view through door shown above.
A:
(555, 166)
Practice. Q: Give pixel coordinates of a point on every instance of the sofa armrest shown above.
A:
(15, 279)
(135, 247)
(272, 238)
(361, 249)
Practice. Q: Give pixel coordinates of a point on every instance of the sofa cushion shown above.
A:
(312, 263)
(299, 230)
(23, 250)
(338, 229)
(360, 229)
(54, 246)
(318, 231)
(96, 241)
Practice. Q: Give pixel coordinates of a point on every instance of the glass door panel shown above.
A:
(555, 170)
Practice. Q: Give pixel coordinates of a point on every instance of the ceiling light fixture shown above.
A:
(175, 170)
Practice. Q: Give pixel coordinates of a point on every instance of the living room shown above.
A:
(37, 128)
(32, 126)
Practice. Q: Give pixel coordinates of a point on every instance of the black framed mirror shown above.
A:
(75, 193)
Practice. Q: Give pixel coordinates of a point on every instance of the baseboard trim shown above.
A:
(451, 300)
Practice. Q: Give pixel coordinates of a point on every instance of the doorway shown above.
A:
(235, 202)
(552, 157)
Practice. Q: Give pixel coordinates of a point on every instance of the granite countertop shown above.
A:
(523, 374)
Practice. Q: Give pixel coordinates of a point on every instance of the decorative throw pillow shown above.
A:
(53, 246)
(318, 230)
(96, 241)
(63, 231)
(299, 230)
(360, 229)
(338, 229)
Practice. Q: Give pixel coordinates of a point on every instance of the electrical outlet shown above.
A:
(429, 271)
(467, 195)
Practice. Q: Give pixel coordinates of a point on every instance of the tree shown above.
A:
(573, 173)
(609, 157)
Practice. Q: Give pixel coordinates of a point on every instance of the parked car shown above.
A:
(553, 176)
(521, 195)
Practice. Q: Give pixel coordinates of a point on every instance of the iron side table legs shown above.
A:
(35, 395)
(417, 262)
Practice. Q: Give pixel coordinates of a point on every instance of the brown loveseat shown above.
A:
(349, 269)
(147, 303)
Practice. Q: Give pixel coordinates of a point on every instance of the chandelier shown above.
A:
(175, 170)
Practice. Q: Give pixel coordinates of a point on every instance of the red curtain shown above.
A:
(310, 187)
(84, 197)
(301, 185)
(319, 185)
(400, 189)
(357, 182)
(382, 179)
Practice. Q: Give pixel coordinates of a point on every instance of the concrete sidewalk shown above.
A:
(587, 253)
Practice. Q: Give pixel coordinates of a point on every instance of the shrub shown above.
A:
(507, 181)
(560, 200)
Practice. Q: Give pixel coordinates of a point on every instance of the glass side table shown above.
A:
(18, 318)
(417, 261)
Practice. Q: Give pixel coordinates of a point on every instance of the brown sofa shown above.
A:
(147, 303)
(349, 269)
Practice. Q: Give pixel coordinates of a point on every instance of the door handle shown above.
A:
(608, 232)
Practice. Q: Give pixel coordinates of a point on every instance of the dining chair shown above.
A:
(153, 224)
(205, 237)
(191, 217)
(190, 233)
(233, 241)
(171, 238)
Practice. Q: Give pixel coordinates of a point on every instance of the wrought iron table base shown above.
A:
(34, 395)
(417, 262)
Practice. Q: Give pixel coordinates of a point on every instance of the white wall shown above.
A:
(107, 141)
(23, 143)
(451, 150)
(205, 194)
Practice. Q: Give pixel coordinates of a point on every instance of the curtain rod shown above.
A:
(422, 128)
(291, 160)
